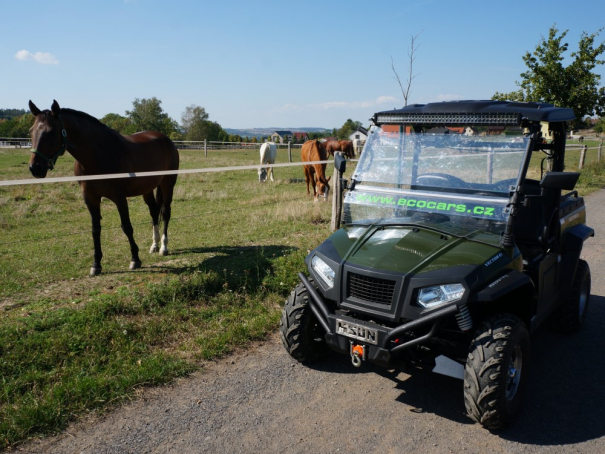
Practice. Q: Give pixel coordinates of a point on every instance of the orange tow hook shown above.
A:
(357, 354)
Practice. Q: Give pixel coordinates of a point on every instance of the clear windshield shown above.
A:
(452, 177)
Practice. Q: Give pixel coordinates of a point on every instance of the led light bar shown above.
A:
(450, 119)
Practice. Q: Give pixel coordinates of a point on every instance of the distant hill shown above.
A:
(264, 132)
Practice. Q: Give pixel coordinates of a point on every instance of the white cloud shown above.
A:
(44, 58)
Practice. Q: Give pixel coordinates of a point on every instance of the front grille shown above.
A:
(371, 289)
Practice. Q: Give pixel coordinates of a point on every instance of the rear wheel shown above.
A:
(570, 315)
(302, 335)
(496, 370)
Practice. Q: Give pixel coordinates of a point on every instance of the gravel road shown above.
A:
(264, 401)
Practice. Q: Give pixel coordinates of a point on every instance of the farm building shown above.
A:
(360, 133)
(287, 136)
(281, 136)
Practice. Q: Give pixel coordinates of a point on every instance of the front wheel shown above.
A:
(496, 370)
(302, 335)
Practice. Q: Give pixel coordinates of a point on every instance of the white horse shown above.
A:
(268, 152)
(357, 146)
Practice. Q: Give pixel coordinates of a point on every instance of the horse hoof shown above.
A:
(154, 248)
(164, 251)
(95, 271)
(135, 265)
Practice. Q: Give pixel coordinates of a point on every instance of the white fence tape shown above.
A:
(150, 174)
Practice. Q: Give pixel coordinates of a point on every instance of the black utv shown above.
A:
(461, 235)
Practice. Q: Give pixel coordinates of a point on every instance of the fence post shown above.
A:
(600, 150)
(582, 157)
(205, 148)
(336, 200)
(289, 152)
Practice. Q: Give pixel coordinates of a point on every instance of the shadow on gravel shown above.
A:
(565, 400)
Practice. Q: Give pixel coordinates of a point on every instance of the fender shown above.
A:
(571, 250)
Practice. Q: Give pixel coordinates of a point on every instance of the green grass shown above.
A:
(70, 344)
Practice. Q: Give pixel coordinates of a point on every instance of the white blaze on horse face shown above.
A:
(156, 239)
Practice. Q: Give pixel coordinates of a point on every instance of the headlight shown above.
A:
(323, 271)
(440, 294)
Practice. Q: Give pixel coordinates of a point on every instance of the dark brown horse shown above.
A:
(100, 150)
(314, 150)
(346, 146)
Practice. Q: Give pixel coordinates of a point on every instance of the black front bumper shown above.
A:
(389, 343)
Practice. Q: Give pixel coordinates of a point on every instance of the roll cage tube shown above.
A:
(508, 237)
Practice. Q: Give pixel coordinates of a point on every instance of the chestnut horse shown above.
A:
(314, 150)
(100, 150)
(346, 146)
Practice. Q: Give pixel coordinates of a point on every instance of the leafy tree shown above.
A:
(549, 80)
(118, 123)
(197, 126)
(18, 127)
(347, 129)
(10, 114)
(148, 115)
(5, 127)
(600, 126)
(194, 121)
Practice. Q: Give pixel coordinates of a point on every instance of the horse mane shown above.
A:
(83, 115)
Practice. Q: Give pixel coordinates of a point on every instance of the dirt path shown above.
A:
(263, 401)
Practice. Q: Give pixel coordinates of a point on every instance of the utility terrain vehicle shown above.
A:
(457, 244)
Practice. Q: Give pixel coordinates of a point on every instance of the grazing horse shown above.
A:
(346, 146)
(314, 150)
(268, 152)
(100, 150)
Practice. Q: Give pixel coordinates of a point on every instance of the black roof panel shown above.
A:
(533, 111)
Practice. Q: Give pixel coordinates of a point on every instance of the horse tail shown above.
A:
(159, 200)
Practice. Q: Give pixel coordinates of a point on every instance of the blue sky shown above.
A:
(271, 63)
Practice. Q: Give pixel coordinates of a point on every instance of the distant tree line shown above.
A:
(148, 115)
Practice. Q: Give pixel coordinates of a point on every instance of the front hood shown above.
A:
(408, 249)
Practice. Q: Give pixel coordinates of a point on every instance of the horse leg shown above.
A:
(122, 204)
(94, 208)
(154, 211)
(271, 172)
(165, 192)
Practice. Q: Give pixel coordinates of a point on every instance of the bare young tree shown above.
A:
(411, 76)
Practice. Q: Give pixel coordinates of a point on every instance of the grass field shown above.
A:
(70, 344)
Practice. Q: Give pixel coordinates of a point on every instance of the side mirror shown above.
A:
(340, 163)
(560, 180)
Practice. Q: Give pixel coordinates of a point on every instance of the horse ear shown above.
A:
(328, 179)
(55, 108)
(33, 109)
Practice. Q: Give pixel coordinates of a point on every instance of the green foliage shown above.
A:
(9, 114)
(148, 115)
(599, 127)
(197, 126)
(548, 80)
(347, 129)
(17, 127)
(118, 123)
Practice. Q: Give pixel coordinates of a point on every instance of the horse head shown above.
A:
(323, 187)
(48, 139)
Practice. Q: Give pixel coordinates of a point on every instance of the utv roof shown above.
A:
(474, 112)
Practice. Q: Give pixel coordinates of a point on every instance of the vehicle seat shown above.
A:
(534, 223)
